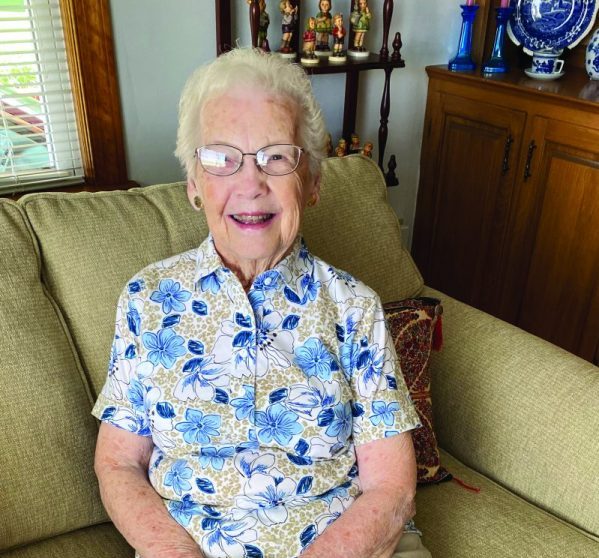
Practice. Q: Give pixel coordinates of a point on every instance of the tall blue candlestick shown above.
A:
(462, 61)
(497, 64)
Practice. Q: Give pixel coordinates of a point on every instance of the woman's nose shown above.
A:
(251, 177)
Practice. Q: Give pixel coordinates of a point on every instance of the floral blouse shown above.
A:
(254, 402)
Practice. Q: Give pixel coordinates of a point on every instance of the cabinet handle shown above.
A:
(531, 150)
(506, 154)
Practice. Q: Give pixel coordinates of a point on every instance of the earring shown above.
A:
(197, 201)
(312, 201)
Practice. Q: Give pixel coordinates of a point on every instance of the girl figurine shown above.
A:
(309, 45)
(360, 22)
(339, 33)
(324, 26)
(289, 19)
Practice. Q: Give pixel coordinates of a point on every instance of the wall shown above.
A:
(158, 44)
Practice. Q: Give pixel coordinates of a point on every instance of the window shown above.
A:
(39, 143)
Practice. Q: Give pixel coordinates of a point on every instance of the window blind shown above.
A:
(39, 143)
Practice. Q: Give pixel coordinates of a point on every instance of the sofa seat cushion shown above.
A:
(99, 541)
(519, 410)
(494, 523)
(47, 482)
(92, 243)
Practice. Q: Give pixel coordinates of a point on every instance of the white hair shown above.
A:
(250, 68)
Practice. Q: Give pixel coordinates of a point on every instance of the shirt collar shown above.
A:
(290, 268)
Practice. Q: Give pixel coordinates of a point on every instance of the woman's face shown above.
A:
(253, 217)
(324, 5)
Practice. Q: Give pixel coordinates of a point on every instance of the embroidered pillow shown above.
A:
(415, 326)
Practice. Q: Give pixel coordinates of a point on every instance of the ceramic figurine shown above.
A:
(339, 33)
(592, 56)
(329, 147)
(309, 45)
(341, 148)
(367, 149)
(360, 24)
(324, 27)
(288, 23)
(354, 144)
(263, 26)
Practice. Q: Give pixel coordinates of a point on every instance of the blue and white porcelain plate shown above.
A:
(550, 24)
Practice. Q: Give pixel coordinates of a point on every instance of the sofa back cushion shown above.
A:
(47, 480)
(93, 243)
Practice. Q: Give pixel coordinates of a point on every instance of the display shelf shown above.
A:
(352, 69)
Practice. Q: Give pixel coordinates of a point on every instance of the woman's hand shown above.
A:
(134, 506)
(372, 526)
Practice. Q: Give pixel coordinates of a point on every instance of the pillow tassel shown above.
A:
(438, 334)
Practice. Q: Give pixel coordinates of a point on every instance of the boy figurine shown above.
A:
(309, 45)
(339, 33)
(288, 22)
(324, 26)
(354, 144)
(367, 149)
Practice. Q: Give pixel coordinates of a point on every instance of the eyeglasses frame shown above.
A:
(255, 155)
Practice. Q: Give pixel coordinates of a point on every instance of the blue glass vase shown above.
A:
(462, 61)
(496, 63)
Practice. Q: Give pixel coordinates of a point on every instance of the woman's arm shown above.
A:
(372, 526)
(134, 506)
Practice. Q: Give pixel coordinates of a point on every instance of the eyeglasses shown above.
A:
(225, 160)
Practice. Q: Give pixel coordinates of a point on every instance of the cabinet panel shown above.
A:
(561, 293)
(469, 174)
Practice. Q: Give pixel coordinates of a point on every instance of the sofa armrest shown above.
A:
(519, 410)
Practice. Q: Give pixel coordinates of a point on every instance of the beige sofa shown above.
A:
(518, 418)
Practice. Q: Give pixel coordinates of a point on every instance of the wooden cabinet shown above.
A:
(507, 215)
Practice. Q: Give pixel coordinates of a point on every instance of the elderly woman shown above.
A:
(254, 405)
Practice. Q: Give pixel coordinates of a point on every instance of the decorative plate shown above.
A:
(550, 24)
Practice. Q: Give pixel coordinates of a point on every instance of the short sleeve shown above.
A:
(382, 406)
(122, 399)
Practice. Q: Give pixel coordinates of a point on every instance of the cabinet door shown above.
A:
(468, 169)
(559, 206)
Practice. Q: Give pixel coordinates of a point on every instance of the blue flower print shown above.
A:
(250, 462)
(211, 283)
(199, 428)
(383, 412)
(341, 425)
(164, 347)
(171, 296)
(370, 365)
(178, 476)
(244, 406)
(200, 380)
(277, 423)
(307, 400)
(136, 286)
(215, 457)
(274, 344)
(183, 510)
(133, 319)
(349, 352)
(315, 360)
(228, 538)
(267, 281)
(266, 495)
(341, 285)
(310, 288)
(237, 344)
